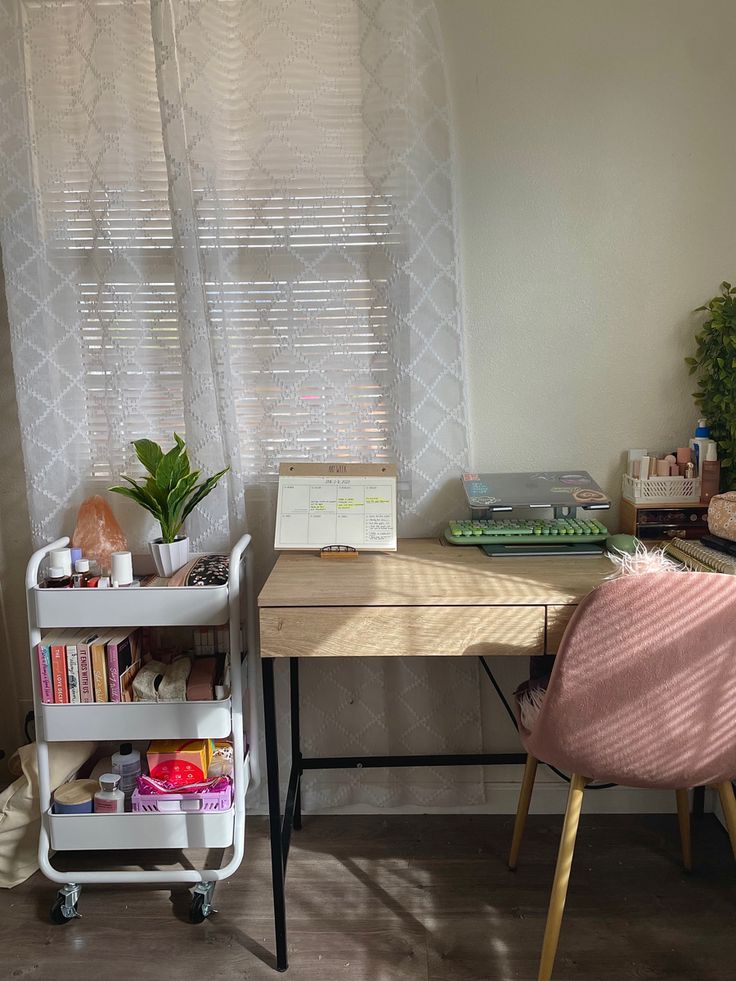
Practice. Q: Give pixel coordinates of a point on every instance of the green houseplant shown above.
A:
(715, 363)
(170, 492)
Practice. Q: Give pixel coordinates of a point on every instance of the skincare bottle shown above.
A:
(61, 558)
(127, 764)
(57, 579)
(699, 445)
(109, 799)
(81, 575)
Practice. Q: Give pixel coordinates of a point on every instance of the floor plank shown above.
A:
(405, 899)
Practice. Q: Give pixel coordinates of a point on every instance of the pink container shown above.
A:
(218, 798)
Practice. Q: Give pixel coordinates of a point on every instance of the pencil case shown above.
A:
(722, 515)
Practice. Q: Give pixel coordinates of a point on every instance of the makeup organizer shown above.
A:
(230, 718)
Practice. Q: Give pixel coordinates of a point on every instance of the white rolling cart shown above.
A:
(233, 604)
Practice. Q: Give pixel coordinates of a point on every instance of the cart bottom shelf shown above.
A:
(110, 832)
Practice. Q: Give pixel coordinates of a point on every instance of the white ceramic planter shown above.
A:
(169, 556)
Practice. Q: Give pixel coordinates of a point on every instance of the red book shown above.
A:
(58, 671)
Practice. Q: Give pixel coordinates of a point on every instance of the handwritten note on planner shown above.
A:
(340, 508)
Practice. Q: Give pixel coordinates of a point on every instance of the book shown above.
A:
(706, 558)
(72, 673)
(126, 681)
(43, 652)
(122, 651)
(58, 673)
(84, 660)
(687, 560)
(98, 656)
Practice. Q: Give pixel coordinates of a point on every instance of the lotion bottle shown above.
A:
(127, 764)
(699, 446)
(109, 799)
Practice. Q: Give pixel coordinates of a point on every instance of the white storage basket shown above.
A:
(661, 490)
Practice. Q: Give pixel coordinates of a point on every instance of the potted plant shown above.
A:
(170, 492)
(715, 360)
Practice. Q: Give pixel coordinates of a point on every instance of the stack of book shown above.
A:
(701, 557)
(95, 666)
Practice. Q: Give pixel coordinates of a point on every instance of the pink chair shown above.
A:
(642, 693)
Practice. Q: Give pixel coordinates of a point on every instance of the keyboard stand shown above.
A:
(556, 548)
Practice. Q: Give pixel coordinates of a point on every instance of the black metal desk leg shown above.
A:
(699, 802)
(296, 751)
(274, 812)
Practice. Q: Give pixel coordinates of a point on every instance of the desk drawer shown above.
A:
(385, 631)
(558, 618)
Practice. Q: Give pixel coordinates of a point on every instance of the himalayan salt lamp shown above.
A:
(97, 532)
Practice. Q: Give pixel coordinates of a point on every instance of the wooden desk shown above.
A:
(426, 599)
(406, 602)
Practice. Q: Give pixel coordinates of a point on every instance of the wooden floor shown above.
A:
(408, 898)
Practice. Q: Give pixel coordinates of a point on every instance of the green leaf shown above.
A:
(171, 469)
(138, 495)
(202, 491)
(183, 489)
(149, 453)
(690, 361)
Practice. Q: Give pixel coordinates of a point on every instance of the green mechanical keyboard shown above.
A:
(567, 531)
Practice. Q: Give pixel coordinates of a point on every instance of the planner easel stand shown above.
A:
(232, 603)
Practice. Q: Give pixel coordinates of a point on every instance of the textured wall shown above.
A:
(595, 156)
(15, 544)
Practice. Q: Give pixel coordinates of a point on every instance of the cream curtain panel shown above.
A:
(233, 218)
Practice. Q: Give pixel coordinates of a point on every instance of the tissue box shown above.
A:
(179, 762)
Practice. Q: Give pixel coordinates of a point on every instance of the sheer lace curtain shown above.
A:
(233, 219)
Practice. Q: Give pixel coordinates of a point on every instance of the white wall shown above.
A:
(595, 153)
(595, 169)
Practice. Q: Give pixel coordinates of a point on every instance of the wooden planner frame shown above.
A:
(330, 472)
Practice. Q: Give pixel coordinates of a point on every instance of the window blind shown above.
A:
(296, 266)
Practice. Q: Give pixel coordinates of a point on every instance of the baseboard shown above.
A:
(502, 798)
(550, 797)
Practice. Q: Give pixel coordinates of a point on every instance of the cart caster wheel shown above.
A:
(63, 914)
(197, 911)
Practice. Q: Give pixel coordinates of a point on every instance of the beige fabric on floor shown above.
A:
(19, 810)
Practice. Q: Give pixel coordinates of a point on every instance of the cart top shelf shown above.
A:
(161, 606)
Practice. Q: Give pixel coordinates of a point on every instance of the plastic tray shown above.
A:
(206, 800)
(661, 490)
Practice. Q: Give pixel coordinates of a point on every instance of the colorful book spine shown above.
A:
(99, 670)
(86, 689)
(59, 676)
(72, 674)
(114, 648)
(45, 676)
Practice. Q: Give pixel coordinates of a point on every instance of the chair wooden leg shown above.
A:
(728, 803)
(525, 796)
(562, 877)
(683, 817)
